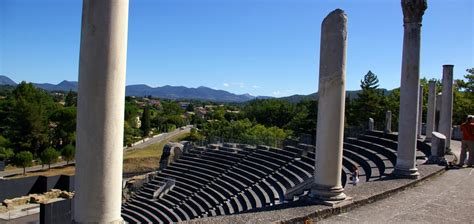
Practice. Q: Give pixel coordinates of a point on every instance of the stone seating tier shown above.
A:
(234, 178)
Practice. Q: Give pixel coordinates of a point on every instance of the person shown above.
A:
(355, 175)
(467, 143)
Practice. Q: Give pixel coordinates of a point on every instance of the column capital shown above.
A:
(413, 10)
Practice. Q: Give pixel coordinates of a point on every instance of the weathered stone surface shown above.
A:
(410, 81)
(420, 111)
(413, 10)
(371, 124)
(100, 111)
(330, 126)
(446, 113)
(10, 203)
(438, 144)
(65, 194)
(388, 122)
(431, 110)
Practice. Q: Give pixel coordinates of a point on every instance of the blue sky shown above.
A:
(261, 47)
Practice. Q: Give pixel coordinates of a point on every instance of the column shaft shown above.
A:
(100, 112)
(420, 111)
(431, 110)
(330, 127)
(408, 118)
(446, 114)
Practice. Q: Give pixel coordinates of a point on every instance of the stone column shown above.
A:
(327, 184)
(388, 122)
(413, 11)
(371, 124)
(420, 111)
(100, 112)
(446, 114)
(431, 110)
(439, 99)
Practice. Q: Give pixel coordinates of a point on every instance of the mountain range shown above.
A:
(166, 92)
(180, 92)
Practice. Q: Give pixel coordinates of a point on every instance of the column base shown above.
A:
(440, 160)
(406, 173)
(327, 195)
(118, 221)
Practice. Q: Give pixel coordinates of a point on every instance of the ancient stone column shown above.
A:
(100, 112)
(413, 11)
(420, 111)
(431, 110)
(388, 122)
(446, 114)
(439, 99)
(330, 128)
(371, 124)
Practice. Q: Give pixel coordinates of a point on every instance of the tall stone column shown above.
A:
(439, 101)
(413, 11)
(446, 114)
(420, 111)
(327, 184)
(100, 112)
(431, 110)
(388, 122)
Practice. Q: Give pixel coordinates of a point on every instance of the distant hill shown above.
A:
(5, 81)
(351, 94)
(65, 86)
(166, 92)
(181, 92)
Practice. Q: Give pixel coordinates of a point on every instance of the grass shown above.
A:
(145, 159)
(148, 158)
(64, 170)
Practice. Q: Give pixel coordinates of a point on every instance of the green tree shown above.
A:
(71, 99)
(27, 113)
(6, 154)
(146, 121)
(23, 159)
(48, 156)
(369, 103)
(64, 129)
(270, 112)
(68, 153)
(463, 97)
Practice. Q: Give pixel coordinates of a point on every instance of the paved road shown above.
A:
(139, 146)
(160, 138)
(32, 168)
(448, 198)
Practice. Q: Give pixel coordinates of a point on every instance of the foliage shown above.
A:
(63, 130)
(146, 121)
(23, 159)
(194, 136)
(244, 131)
(71, 99)
(26, 111)
(68, 153)
(270, 112)
(48, 156)
(369, 104)
(6, 154)
(463, 97)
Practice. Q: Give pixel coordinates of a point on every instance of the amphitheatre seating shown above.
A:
(236, 178)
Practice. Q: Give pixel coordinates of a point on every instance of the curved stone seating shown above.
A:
(234, 178)
(380, 161)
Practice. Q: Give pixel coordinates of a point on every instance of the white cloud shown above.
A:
(276, 93)
(256, 87)
(225, 84)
